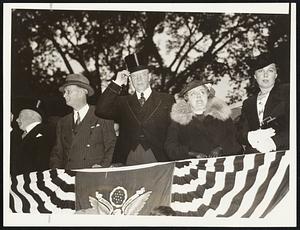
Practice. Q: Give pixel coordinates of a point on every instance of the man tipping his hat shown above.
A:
(143, 117)
(83, 140)
(264, 122)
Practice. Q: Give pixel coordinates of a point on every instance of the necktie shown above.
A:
(142, 99)
(24, 134)
(77, 122)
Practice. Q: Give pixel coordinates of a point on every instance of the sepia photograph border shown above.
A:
(287, 214)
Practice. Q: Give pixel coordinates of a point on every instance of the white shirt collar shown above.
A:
(82, 112)
(31, 126)
(147, 93)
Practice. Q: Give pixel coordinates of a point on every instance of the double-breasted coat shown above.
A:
(146, 125)
(92, 143)
(277, 106)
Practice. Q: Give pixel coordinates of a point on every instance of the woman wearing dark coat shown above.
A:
(201, 125)
(264, 122)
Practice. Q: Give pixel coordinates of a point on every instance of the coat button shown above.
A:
(88, 145)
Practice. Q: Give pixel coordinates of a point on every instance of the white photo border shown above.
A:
(286, 218)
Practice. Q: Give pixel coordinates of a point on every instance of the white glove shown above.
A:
(266, 145)
(259, 135)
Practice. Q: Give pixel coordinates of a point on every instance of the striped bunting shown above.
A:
(245, 186)
(51, 191)
(240, 186)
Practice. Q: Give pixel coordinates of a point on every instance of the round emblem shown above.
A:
(118, 196)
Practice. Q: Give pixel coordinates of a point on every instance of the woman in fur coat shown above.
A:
(201, 125)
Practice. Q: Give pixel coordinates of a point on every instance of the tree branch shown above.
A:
(62, 53)
(208, 56)
(80, 58)
(186, 53)
(180, 50)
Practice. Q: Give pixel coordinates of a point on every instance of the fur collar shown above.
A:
(182, 113)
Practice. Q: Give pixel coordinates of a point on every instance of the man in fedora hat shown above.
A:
(264, 121)
(32, 150)
(143, 117)
(83, 140)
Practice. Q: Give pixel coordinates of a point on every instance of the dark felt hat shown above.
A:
(262, 60)
(195, 83)
(79, 80)
(136, 62)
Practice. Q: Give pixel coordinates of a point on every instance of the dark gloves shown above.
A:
(216, 152)
(116, 165)
(197, 155)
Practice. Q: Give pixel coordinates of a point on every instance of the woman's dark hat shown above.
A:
(264, 59)
(79, 80)
(195, 83)
(136, 62)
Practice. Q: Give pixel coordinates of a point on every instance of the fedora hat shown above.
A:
(79, 80)
(195, 83)
(136, 62)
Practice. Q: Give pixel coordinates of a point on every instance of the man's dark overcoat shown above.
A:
(33, 152)
(146, 125)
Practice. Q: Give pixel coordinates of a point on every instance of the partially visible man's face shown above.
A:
(140, 80)
(266, 76)
(73, 95)
(23, 120)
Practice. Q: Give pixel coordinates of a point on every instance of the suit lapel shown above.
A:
(134, 103)
(272, 102)
(151, 106)
(143, 113)
(134, 107)
(85, 123)
(32, 133)
(253, 111)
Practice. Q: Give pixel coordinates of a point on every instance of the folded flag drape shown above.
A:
(234, 186)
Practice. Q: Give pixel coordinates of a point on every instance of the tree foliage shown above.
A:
(180, 46)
